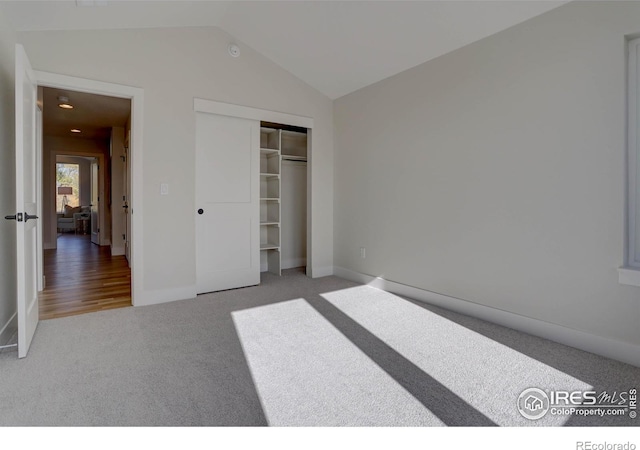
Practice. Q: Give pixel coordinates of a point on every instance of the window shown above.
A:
(630, 274)
(67, 185)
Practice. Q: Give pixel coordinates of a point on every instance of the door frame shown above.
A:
(39, 196)
(265, 115)
(136, 95)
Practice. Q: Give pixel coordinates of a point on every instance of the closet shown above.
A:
(283, 197)
(251, 185)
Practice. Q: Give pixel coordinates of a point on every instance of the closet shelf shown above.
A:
(294, 158)
(269, 223)
(270, 199)
(270, 175)
(270, 151)
(269, 246)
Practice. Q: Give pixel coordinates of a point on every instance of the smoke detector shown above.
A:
(234, 50)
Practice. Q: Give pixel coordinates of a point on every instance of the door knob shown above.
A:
(28, 216)
(17, 217)
(201, 211)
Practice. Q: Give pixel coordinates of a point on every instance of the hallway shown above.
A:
(82, 277)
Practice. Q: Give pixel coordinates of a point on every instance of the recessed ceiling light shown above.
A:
(75, 130)
(64, 103)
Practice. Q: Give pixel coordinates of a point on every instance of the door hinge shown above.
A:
(124, 237)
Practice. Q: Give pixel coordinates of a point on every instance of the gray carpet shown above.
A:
(293, 351)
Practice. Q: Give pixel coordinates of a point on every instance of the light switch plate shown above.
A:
(164, 189)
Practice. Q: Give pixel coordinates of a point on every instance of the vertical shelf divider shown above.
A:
(270, 207)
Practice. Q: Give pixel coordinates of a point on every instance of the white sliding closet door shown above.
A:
(227, 202)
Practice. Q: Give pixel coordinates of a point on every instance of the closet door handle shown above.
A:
(200, 211)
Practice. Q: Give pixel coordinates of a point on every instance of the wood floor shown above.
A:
(82, 277)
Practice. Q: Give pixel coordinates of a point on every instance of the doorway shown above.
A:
(84, 263)
(29, 95)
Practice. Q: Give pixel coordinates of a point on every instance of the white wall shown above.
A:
(495, 173)
(173, 66)
(7, 183)
(293, 204)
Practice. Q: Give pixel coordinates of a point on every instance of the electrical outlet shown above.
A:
(363, 252)
(164, 189)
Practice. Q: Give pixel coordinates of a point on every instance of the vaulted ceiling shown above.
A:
(335, 46)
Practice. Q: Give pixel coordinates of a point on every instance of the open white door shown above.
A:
(227, 202)
(95, 202)
(26, 201)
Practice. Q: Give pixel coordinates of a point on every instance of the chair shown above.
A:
(69, 219)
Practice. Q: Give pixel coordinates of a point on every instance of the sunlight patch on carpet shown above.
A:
(486, 374)
(308, 374)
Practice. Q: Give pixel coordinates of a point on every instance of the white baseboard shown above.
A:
(618, 350)
(117, 251)
(158, 296)
(319, 272)
(8, 329)
(629, 275)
